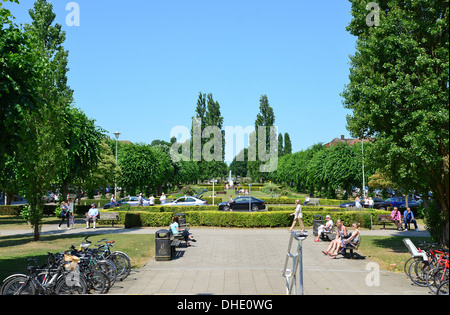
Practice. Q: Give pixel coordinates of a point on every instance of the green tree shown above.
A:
(265, 118)
(287, 144)
(398, 94)
(280, 145)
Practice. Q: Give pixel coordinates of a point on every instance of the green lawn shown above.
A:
(16, 250)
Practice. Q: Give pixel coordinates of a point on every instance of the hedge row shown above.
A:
(48, 209)
(243, 219)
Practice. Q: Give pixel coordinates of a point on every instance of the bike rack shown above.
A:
(297, 264)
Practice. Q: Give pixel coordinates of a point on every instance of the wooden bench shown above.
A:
(385, 218)
(351, 248)
(329, 235)
(106, 216)
(314, 201)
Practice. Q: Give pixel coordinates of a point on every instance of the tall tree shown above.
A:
(287, 144)
(40, 151)
(265, 118)
(398, 94)
(280, 145)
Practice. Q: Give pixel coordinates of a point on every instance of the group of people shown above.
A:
(343, 237)
(408, 217)
(366, 201)
(68, 214)
(151, 200)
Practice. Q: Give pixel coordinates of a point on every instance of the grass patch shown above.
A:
(16, 250)
(388, 251)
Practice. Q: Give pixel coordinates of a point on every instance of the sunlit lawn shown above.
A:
(16, 250)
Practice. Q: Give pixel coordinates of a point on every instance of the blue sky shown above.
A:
(138, 66)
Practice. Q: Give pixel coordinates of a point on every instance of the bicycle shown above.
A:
(52, 278)
(423, 263)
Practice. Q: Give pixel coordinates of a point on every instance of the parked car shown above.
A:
(241, 203)
(400, 202)
(130, 200)
(187, 201)
(378, 203)
(51, 197)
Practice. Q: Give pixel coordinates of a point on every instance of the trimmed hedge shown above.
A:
(48, 209)
(242, 219)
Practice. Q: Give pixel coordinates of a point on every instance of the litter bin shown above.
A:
(162, 245)
(317, 221)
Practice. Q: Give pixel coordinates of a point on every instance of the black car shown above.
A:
(378, 203)
(241, 203)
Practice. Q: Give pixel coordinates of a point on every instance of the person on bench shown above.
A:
(353, 239)
(328, 228)
(408, 217)
(92, 215)
(396, 217)
(336, 244)
(175, 228)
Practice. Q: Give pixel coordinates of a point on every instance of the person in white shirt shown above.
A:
(328, 227)
(298, 216)
(162, 199)
(151, 201)
(92, 215)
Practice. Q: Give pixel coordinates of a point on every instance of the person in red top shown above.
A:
(396, 217)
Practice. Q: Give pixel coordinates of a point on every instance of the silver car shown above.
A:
(187, 201)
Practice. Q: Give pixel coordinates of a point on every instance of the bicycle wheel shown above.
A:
(122, 263)
(408, 264)
(431, 279)
(418, 272)
(67, 285)
(443, 288)
(20, 285)
(109, 269)
(98, 282)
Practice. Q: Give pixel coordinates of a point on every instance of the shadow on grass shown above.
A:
(17, 260)
(395, 243)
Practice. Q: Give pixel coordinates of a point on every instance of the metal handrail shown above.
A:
(297, 264)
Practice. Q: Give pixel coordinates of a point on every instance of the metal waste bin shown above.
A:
(162, 245)
(317, 221)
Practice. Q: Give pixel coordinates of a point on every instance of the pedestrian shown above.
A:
(371, 203)
(162, 199)
(230, 203)
(298, 216)
(357, 202)
(140, 200)
(92, 215)
(151, 201)
(64, 215)
(71, 213)
(113, 201)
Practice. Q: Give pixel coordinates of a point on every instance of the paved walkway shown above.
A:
(249, 261)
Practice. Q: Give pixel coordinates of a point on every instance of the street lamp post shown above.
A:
(116, 134)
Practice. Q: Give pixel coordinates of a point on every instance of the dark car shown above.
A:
(378, 203)
(243, 203)
(400, 202)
